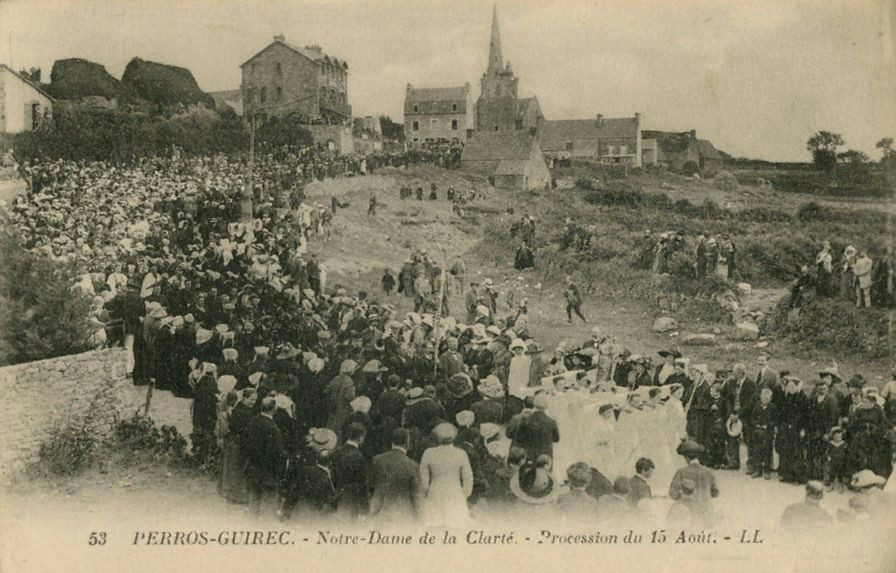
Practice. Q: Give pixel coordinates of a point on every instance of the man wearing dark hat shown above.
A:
(703, 479)
(808, 513)
(310, 488)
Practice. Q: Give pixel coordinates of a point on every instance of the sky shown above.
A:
(756, 77)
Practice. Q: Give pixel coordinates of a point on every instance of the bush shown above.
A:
(725, 181)
(84, 133)
(140, 434)
(41, 316)
(835, 326)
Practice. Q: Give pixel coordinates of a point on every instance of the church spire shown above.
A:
(495, 59)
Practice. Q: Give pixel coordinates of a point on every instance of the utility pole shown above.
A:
(246, 214)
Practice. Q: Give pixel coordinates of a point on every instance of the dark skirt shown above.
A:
(232, 482)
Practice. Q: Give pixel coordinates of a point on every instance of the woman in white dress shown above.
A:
(601, 453)
(676, 417)
(656, 445)
(630, 433)
(447, 480)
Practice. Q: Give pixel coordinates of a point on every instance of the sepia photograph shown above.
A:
(447, 285)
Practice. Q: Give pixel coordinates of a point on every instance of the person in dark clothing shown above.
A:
(573, 301)
(310, 489)
(350, 474)
(764, 420)
(205, 415)
(822, 415)
(792, 419)
(388, 281)
(525, 258)
(265, 456)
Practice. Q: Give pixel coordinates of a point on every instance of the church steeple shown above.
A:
(495, 58)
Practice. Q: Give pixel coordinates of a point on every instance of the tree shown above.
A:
(41, 315)
(886, 147)
(853, 156)
(392, 131)
(823, 146)
(32, 74)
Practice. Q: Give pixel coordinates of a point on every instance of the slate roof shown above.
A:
(310, 54)
(554, 134)
(436, 94)
(498, 146)
(511, 167)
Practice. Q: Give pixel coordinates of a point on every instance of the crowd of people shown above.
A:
(318, 403)
(853, 276)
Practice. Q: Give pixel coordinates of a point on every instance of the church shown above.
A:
(499, 107)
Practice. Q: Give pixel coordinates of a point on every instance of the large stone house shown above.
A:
(512, 160)
(607, 140)
(499, 107)
(431, 114)
(283, 79)
(682, 151)
(23, 104)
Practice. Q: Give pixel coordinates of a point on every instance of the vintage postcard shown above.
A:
(447, 285)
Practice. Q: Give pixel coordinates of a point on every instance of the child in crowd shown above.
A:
(835, 461)
(763, 426)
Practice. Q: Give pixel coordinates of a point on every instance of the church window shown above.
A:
(416, 108)
(416, 126)
(454, 124)
(454, 107)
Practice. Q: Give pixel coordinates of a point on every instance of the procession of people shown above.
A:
(318, 403)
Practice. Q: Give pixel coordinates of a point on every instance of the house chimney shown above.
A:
(638, 117)
(600, 120)
(279, 38)
(693, 134)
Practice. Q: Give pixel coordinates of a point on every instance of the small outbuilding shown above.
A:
(512, 159)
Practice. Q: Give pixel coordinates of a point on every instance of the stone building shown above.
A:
(431, 114)
(499, 107)
(23, 104)
(607, 140)
(683, 151)
(511, 160)
(283, 79)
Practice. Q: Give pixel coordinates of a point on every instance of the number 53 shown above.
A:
(97, 538)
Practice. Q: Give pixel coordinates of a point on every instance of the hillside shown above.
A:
(623, 300)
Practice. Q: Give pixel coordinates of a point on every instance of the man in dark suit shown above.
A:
(395, 480)
(537, 432)
(265, 456)
(699, 416)
(310, 488)
(740, 396)
(350, 473)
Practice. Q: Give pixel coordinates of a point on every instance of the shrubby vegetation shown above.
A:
(79, 132)
(40, 315)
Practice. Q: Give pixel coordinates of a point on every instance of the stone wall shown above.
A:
(37, 397)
